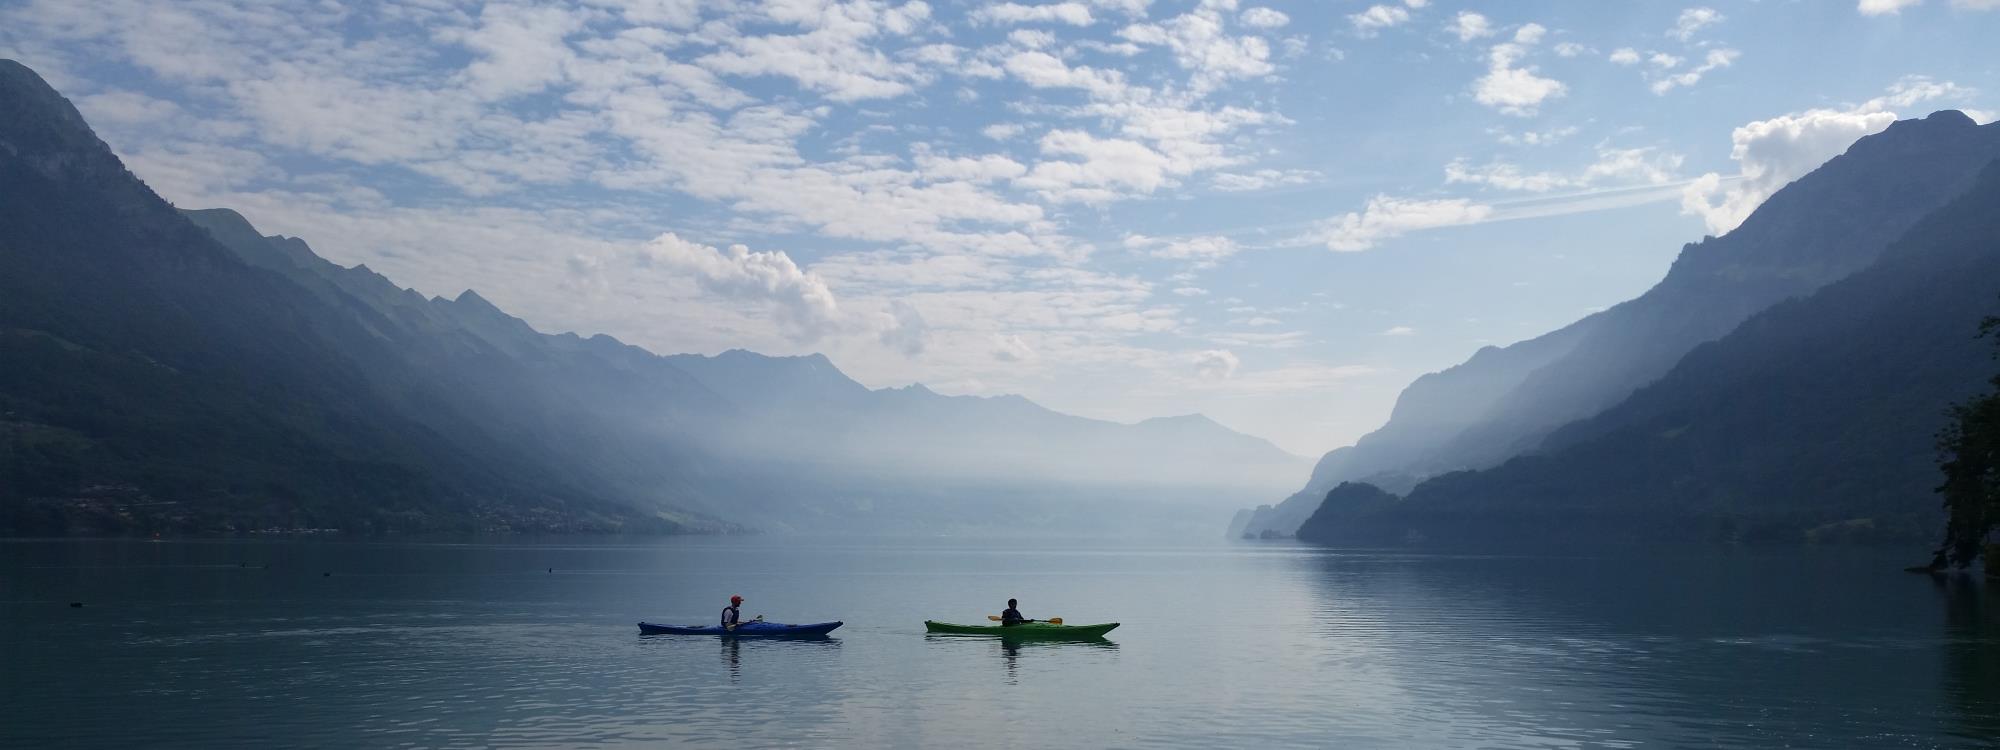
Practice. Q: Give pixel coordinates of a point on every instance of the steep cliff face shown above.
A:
(1822, 227)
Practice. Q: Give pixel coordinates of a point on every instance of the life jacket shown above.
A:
(730, 616)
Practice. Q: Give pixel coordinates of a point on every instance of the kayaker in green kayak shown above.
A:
(1012, 616)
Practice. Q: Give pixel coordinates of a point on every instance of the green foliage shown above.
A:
(1969, 456)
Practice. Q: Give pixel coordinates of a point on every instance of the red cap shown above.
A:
(736, 599)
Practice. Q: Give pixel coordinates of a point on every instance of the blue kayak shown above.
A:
(754, 628)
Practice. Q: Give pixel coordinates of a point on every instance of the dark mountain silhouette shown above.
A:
(179, 369)
(1813, 420)
(1503, 401)
(155, 381)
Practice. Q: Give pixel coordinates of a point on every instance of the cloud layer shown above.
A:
(1120, 207)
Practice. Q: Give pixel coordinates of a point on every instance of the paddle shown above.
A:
(1051, 621)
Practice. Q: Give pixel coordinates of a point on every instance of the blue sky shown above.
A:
(1276, 214)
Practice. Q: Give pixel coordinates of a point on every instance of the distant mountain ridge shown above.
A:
(1812, 421)
(1503, 402)
(800, 411)
(154, 381)
(259, 385)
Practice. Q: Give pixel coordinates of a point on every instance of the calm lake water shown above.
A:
(1223, 645)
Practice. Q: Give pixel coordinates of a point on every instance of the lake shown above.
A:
(1223, 644)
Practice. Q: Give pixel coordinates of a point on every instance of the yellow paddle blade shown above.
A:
(995, 618)
(1055, 621)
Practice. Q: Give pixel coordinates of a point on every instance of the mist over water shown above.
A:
(197, 644)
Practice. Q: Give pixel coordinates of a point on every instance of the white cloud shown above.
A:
(805, 306)
(1625, 56)
(1515, 90)
(1043, 70)
(1628, 166)
(1537, 137)
(1572, 49)
(1399, 331)
(1470, 26)
(1012, 348)
(519, 49)
(1264, 18)
(1072, 13)
(1716, 59)
(1880, 7)
(1386, 218)
(1693, 20)
(1201, 44)
(1002, 131)
(1031, 38)
(1135, 8)
(1216, 364)
(1261, 179)
(1205, 249)
(1378, 17)
(904, 329)
(1102, 170)
(1771, 153)
(983, 169)
(1504, 176)
(835, 56)
(126, 108)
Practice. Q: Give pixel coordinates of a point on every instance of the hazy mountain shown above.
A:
(1503, 401)
(154, 380)
(808, 409)
(1812, 420)
(735, 434)
(183, 361)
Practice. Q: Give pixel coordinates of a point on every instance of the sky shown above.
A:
(1274, 214)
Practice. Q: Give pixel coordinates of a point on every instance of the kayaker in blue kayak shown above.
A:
(732, 615)
(1012, 616)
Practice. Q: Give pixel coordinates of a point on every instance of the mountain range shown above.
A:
(1524, 401)
(1811, 421)
(179, 370)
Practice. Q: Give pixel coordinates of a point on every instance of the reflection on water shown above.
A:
(1716, 648)
(200, 645)
(1972, 654)
(778, 650)
(1011, 647)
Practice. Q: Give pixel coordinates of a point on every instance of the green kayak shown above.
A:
(1023, 630)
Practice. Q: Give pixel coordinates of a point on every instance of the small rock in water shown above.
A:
(326, 575)
(76, 604)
